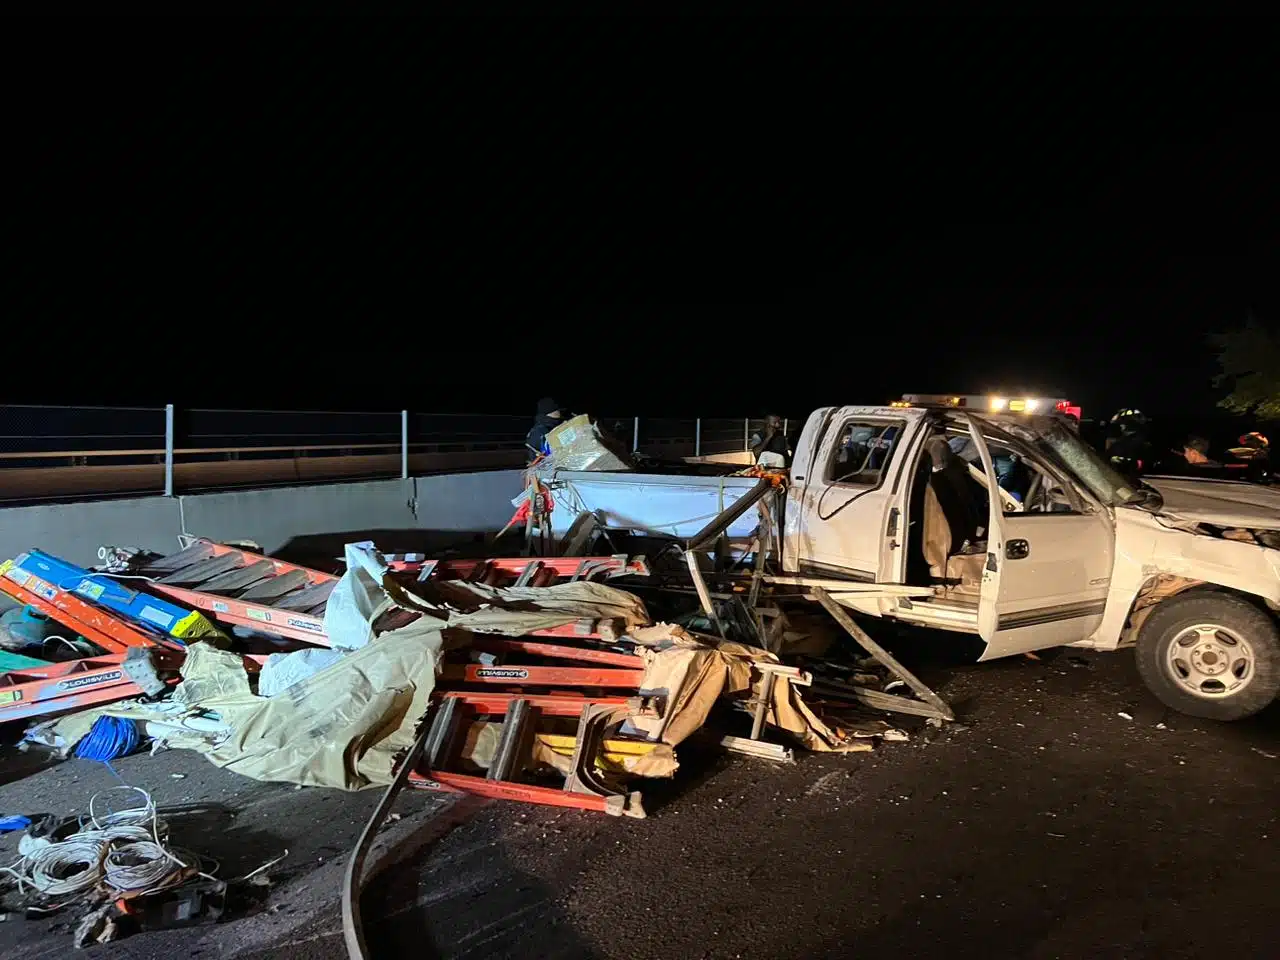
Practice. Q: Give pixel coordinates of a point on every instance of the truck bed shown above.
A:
(669, 504)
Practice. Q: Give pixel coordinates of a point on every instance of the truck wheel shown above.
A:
(1210, 655)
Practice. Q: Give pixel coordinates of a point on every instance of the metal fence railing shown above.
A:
(159, 449)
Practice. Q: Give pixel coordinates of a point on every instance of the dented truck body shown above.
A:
(1063, 551)
(1022, 536)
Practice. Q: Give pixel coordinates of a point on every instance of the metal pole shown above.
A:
(746, 434)
(786, 427)
(168, 449)
(404, 444)
(635, 434)
(697, 437)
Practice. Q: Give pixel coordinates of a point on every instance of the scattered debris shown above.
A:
(505, 670)
(1124, 716)
(1162, 726)
(97, 926)
(824, 783)
(1264, 753)
(114, 862)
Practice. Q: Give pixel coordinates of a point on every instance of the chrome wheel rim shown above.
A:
(1210, 661)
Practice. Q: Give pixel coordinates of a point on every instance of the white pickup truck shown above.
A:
(1066, 552)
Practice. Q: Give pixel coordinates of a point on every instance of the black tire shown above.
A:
(1175, 615)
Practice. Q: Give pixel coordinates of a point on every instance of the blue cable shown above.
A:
(108, 739)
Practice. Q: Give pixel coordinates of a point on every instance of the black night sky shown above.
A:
(676, 217)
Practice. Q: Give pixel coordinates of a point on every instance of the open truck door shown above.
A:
(841, 491)
(1045, 580)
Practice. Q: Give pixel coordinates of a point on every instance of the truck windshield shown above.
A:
(1081, 459)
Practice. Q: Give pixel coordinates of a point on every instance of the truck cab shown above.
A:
(1029, 540)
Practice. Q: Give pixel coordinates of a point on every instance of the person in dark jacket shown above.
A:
(1196, 462)
(548, 418)
(770, 439)
(1192, 460)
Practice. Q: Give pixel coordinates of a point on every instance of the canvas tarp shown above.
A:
(342, 727)
(486, 609)
(686, 674)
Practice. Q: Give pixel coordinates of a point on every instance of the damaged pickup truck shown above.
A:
(1066, 552)
(1017, 532)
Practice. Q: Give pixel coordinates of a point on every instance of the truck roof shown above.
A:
(915, 411)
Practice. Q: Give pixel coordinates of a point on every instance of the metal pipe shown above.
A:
(404, 444)
(697, 437)
(168, 449)
(746, 434)
(635, 434)
(722, 521)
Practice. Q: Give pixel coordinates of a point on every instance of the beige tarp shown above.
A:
(342, 727)
(684, 677)
(516, 610)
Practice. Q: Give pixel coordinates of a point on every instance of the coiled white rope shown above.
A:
(63, 869)
(141, 867)
(120, 847)
(123, 816)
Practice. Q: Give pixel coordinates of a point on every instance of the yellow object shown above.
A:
(194, 626)
(613, 756)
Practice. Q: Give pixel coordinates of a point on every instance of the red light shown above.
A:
(1062, 405)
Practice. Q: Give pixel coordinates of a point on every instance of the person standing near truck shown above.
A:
(768, 445)
(548, 417)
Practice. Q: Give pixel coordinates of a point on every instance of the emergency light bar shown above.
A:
(992, 404)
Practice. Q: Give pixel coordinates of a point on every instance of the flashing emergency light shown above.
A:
(993, 404)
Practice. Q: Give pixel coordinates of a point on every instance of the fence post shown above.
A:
(168, 449)
(746, 434)
(697, 437)
(635, 434)
(404, 444)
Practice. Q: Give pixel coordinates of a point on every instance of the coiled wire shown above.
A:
(121, 847)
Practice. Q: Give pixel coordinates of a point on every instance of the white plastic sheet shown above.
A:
(283, 670)
(348, 615)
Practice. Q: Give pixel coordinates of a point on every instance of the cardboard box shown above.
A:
(577, 445)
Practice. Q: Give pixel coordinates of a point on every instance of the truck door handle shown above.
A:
(1017, 549)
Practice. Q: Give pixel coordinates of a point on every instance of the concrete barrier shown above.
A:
(456, 503)
(97, 479)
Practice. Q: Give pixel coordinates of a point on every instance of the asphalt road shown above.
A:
(1043, 825)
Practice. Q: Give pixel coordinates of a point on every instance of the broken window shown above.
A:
(1027, 485)
(863, 449)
